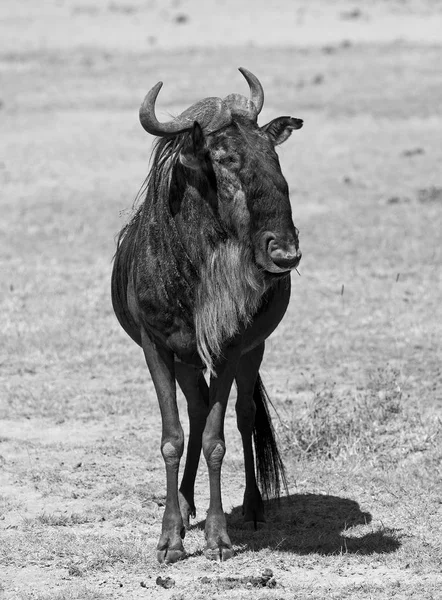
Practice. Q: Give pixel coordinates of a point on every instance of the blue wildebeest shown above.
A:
(201, 278)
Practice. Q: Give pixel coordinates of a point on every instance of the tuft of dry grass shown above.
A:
(89, 551)
(373, 421)
(73, 592)
(63, 520)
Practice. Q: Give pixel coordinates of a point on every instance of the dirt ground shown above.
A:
(355, 368)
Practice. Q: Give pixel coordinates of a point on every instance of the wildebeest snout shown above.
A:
(281, 253)
(284, 255)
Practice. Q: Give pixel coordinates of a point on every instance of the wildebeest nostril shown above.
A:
(285, 256)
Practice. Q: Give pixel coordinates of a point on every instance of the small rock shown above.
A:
(181, 19)
(413, 152)
(349, 15)
(165, 582)
(397, 199)
(430, 194)
(75, 571)
(318, 79)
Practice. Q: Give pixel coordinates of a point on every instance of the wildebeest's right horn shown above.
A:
(211, 114)
(256, 90)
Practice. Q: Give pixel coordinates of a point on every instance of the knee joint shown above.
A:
(214, 454)
(172, 451)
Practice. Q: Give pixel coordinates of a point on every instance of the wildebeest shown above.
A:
(201, 278)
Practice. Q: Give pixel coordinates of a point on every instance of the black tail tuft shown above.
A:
(269, 465)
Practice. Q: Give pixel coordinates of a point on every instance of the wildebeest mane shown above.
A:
(151, 223)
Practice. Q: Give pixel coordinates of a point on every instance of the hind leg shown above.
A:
(246, 377)
(194, 387)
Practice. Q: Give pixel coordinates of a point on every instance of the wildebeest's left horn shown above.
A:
(211, 114)
(256, 90)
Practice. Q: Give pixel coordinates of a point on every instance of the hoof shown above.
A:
(170, 556)
(219, 554)
(253, 510)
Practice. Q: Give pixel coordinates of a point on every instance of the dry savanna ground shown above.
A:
(355, 368)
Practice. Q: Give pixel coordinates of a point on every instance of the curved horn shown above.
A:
(211, 114)
(256, 90)
(148, 119)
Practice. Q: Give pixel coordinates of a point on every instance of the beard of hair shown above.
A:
(227, 297)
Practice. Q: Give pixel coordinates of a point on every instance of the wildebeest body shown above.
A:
(200, 279)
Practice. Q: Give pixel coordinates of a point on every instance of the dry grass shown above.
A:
(363, 515)
(374, 421)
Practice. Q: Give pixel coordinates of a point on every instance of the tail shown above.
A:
(270, 468)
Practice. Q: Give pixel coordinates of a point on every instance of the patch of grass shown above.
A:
(8, 504)
(63, 520)
(375, 421)
(73, 592)
(121, 516)
(146, 493)
(129, 550)
(66, 546)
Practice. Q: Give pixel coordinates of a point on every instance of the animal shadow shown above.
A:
(311, 524)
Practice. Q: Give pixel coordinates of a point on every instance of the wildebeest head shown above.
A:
(225, 145)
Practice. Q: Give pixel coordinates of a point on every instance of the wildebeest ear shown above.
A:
(194, 150)
(280, 129)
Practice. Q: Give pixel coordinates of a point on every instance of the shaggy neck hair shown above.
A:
(228, 295)
(208, 275)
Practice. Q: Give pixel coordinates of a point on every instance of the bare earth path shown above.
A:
(355, 369)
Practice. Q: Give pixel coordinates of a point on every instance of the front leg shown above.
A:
(161, 366)
(218, 544)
